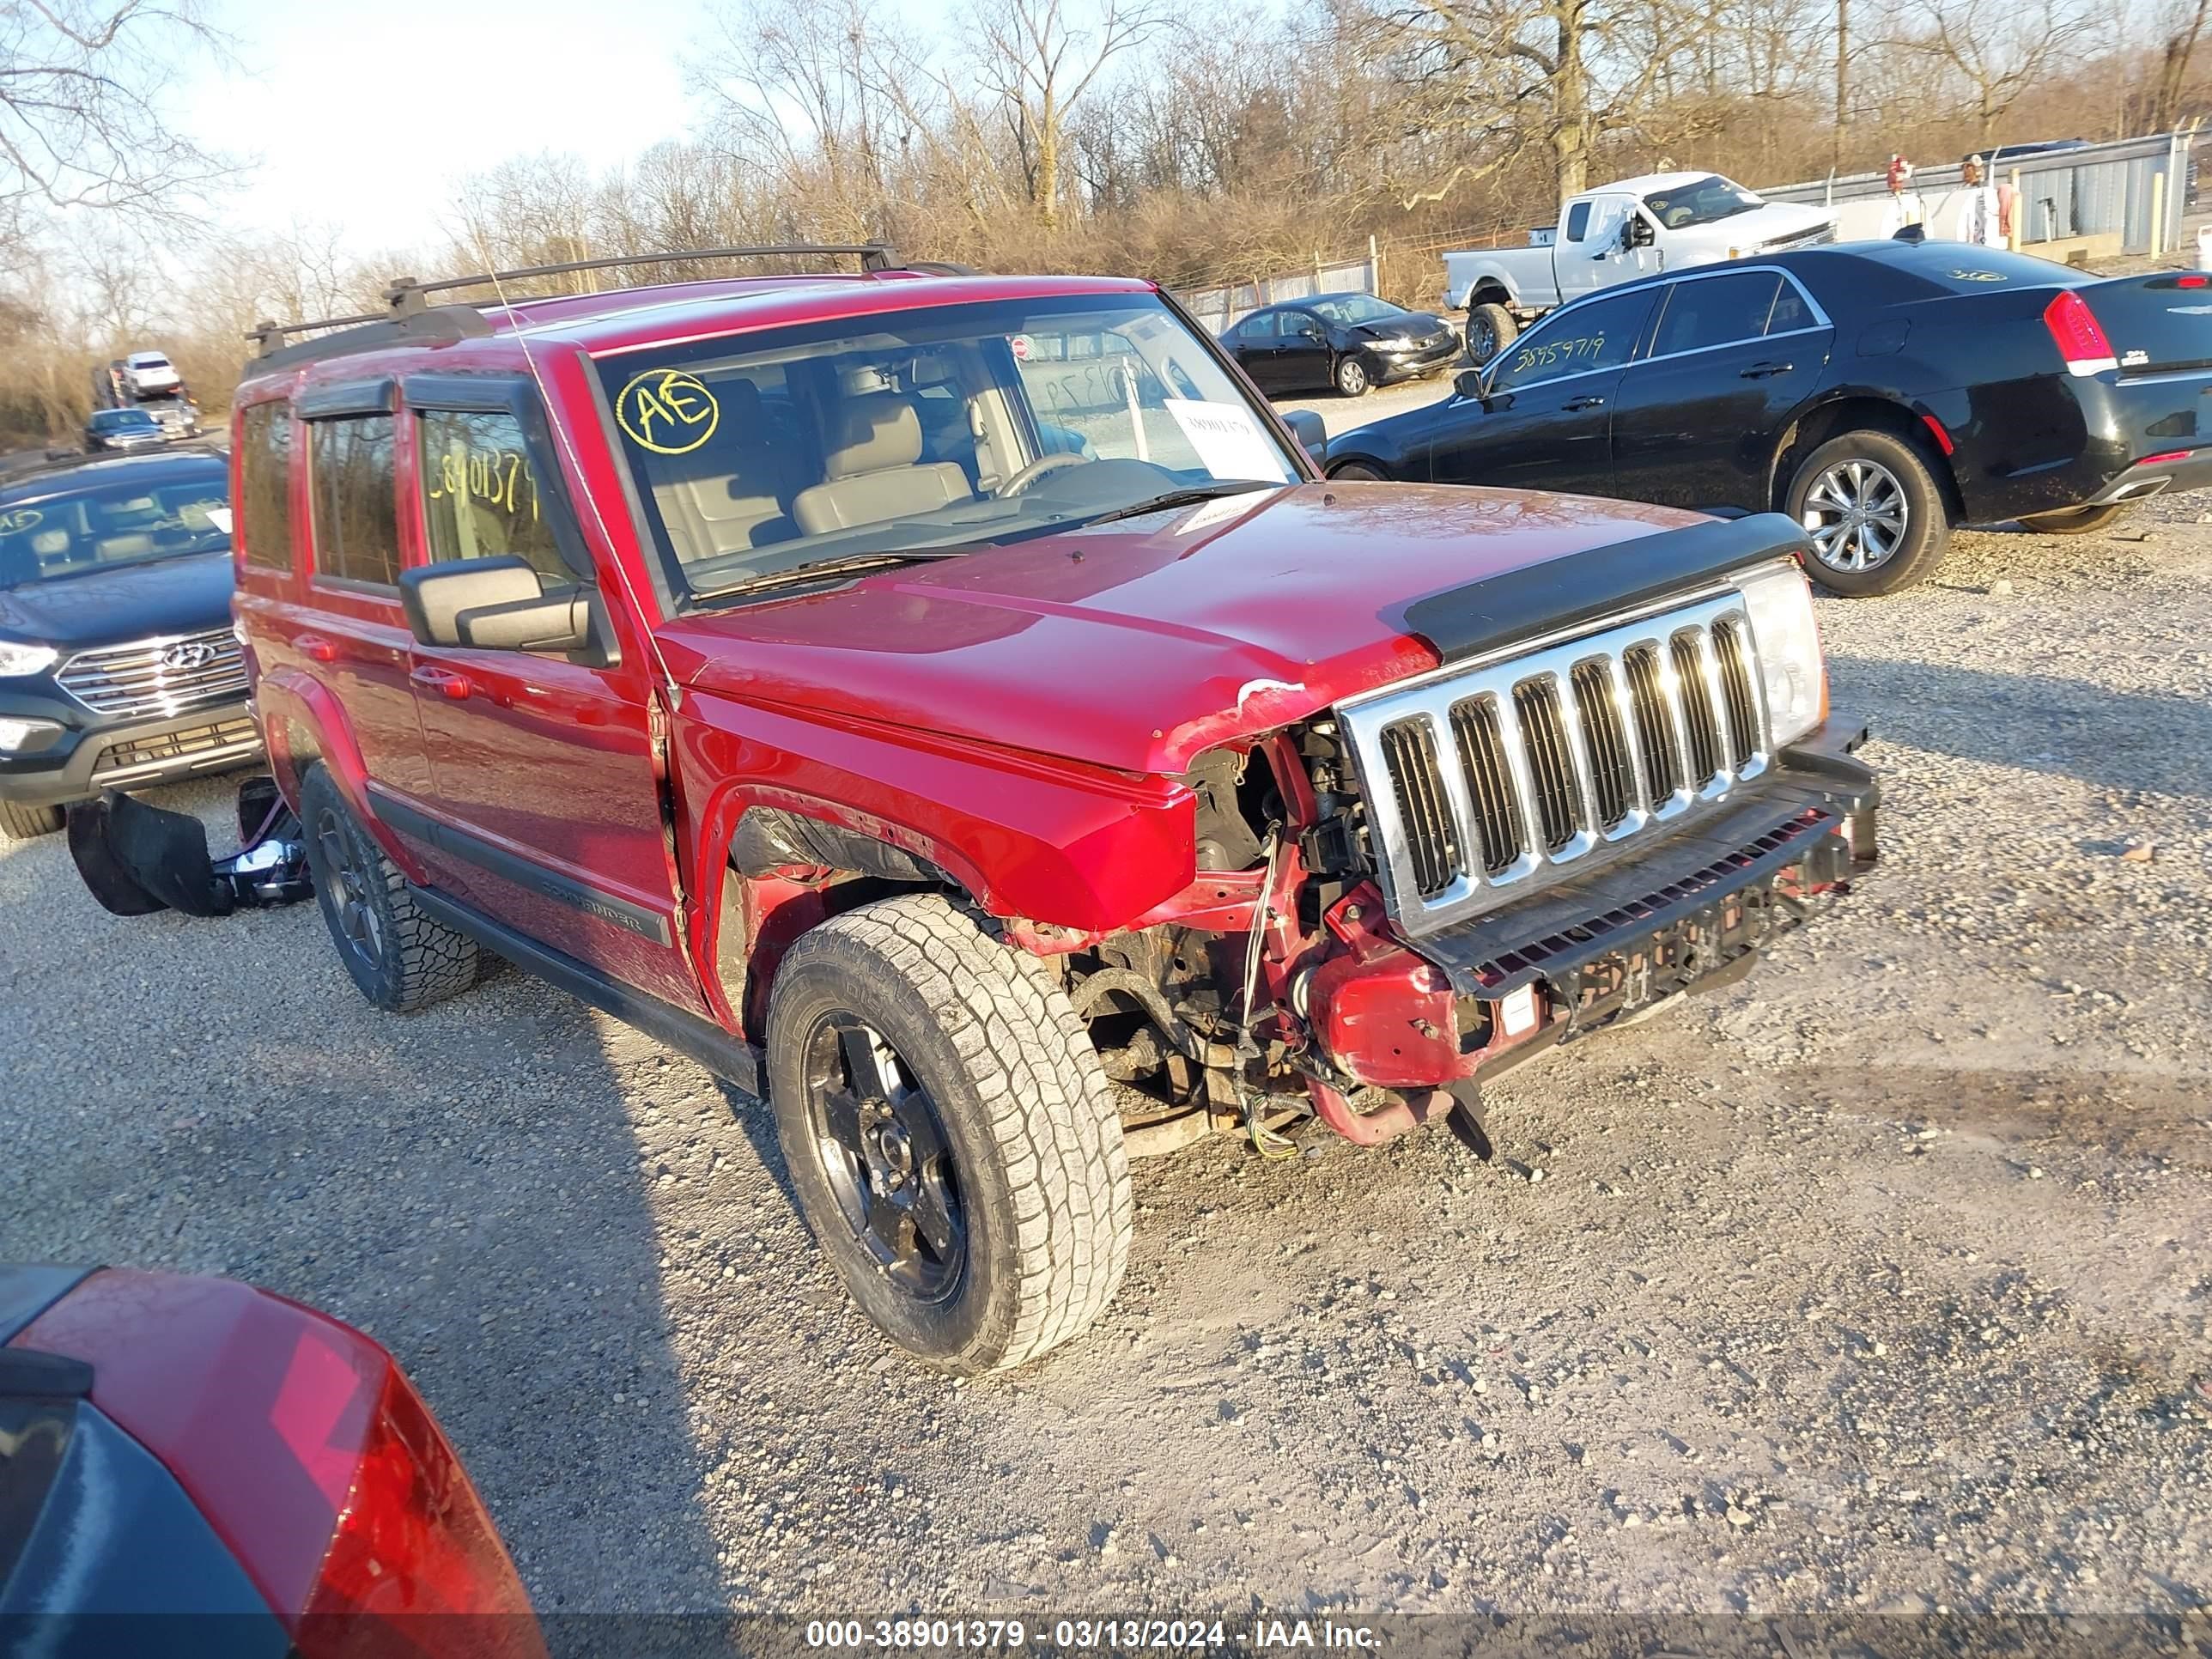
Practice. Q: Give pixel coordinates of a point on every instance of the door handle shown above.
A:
(444, 681)
(1583, 402)
(1761, 371)
(315, 647)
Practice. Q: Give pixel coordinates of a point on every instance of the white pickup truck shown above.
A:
(1662, 221)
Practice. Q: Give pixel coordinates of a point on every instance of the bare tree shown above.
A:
(1039, 66)
(1986, 54)
(2180, 24)
(80, 86)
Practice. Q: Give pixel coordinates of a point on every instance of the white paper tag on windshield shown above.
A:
(1229, 442)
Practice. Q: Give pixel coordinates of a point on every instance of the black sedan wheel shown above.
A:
(1352, 377)
(1871, 510)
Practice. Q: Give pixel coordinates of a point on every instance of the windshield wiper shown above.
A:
(1188, 496)
(829, 569)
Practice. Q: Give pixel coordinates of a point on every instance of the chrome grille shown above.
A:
(158, 677)
(1481, 780)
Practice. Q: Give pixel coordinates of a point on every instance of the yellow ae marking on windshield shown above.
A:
(23, 517)
(667, 411)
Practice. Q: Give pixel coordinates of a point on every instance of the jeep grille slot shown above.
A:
(1613, 770)
(1415, 778)
(1735, 690)
(1480, 780)
(1700, 717)
(1489, 783)
(1552, 766)
(1654, 725)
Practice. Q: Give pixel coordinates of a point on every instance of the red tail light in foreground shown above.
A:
(2079, 336)
(311, 1457)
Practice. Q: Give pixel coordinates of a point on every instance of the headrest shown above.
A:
(873, 433)
(741, 406)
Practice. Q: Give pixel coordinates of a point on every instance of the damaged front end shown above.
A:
(138, 858)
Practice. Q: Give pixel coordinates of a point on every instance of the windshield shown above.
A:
(923, 432)
(1356, 308)
(112, 420)
(1701, 201)
(68, 535)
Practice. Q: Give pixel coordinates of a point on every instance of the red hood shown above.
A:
(1137, 646)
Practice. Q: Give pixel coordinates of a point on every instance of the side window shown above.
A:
(1303, 326)
(356, 516)
(265, 456)
(1261, 327)
(1790, 310)
(1578, 220)
(480, 491)
(1710, 311)
(1590, 334)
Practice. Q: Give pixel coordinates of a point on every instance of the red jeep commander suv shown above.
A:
(954, 707)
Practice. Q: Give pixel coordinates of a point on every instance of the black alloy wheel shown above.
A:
(885, 1156)
(343, 877)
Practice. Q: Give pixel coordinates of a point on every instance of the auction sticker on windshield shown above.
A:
(667, 411)
(1228, 440)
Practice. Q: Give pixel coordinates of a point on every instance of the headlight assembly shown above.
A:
(1780, 604)
(16, 660)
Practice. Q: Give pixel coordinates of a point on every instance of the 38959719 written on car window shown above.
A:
(926, 432)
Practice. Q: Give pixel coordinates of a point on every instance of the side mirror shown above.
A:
(1308, 428)
(1471, 383)
(493, 605)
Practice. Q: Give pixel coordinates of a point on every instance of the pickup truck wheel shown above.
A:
(2075, 521)
(28, 822)
(1352, 377)
(952, 1138)
(1489, 329)
(1872, 510)
(400, 957)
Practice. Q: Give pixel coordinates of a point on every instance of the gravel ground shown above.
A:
(1877, 1282)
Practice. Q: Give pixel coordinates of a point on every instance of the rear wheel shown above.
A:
(400, 957)
(1873, 511)
(1489, 329)
(951, 1136)
(2075, 521)
(1352, 377)
(28, 822)
(1357, 472)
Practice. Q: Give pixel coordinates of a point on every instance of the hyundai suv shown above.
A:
(954, 708)
(117, 666)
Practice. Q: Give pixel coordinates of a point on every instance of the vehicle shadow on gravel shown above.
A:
(469, 1185)
(2107, 738)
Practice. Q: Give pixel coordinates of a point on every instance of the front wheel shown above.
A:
(1352, 377)
(1357, 472)
(1872, 511)
(952, 1138)
(2074, 521)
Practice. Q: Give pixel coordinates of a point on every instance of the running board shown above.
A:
(730, 1058)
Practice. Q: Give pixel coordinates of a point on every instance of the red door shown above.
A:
(544, 788)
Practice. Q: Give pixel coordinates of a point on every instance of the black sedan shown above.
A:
(1878, 392)
(118, 667)
(1348, 341)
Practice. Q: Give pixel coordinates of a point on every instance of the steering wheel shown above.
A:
(1038, 468)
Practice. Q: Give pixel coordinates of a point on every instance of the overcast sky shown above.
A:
(367, 113)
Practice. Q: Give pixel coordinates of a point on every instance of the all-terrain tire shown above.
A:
(2075, 521)
(28, 822)
(400, 956)
(1025, 1110)
(1489, 329)
(1927, 523)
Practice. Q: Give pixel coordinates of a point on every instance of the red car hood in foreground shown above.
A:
(1139, 645)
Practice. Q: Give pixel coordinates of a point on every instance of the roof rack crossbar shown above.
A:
(406, 298)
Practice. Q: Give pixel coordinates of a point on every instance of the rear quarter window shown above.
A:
(265, 454)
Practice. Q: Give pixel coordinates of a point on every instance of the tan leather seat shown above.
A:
(872, 472)
(733, 492)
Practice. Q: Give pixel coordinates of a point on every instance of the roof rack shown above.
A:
(410, 317)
